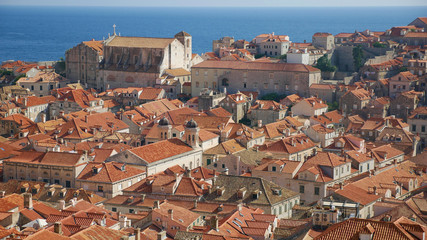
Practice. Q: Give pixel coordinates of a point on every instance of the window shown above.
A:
(273, 168)
(32, 87)
(423, 128)
(67, 184)
(301, 189)
(316, 190)
(197, 84)
(414, 128)
(131, 210)
(114, 209)
(223, 165)
(100, 189)
(208, 161)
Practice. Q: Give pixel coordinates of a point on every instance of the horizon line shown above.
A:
(208, 6)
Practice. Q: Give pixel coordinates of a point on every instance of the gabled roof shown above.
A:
(110, 172)
(98, 46)
(254, 185)
(161, 150)
(289, 145)
(350, 229)
(254, 65)
(357, 195)
(48, 158)
(139, 42)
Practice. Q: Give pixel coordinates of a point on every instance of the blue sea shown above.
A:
(45, 33)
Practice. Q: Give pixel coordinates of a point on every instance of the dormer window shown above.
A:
(273, 168)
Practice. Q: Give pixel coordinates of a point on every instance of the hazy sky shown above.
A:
(217, 3)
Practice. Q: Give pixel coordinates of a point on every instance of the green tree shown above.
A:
(273, 96)
(403, 69)
(260, 55)
(245, 121)
(333, 106)
(325, 65)
(378, 45)
(358, 57)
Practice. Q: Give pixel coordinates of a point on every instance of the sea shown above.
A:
(45, 33)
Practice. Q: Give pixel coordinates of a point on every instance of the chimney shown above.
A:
(57, 228)
(195, 204)
(170, 213)
(137, 233)
(156, 204)
(214, 223)
(375, 190)
(28, 201)
(61, 204)
(122, 221)
(161, 235)
(86, 118)
(341, 186)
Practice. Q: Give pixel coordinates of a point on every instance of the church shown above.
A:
(139, 61)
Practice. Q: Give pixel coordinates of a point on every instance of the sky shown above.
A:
(216, 3)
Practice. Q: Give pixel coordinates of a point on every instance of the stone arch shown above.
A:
(129, 79)
(111, 78)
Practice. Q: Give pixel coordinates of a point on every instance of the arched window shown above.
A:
(225, 82)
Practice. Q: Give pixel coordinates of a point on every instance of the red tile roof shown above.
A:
(98, 46)
(161, 150)
(110, 172)
(263, 66)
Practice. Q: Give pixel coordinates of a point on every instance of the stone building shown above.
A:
(309, 107)
(159, 156)
(255, 192)
(310, 179)
(50, 167)
(139, 61)
(81, 62)
(274, 46)
(418, 123)
(210, 99)
(262, 77)
(411, 35)
(323, 40)
(14, 124)
(237, 104)
(75, 100)
(108, 179)
(224, 42)
(266, 111)
(405, 103)
(43, 83)
(354, 100)
(402, 82)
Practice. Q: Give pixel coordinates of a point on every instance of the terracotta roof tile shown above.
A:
(108, 172)
(161, 150)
